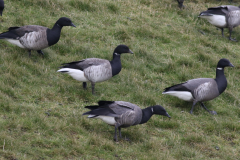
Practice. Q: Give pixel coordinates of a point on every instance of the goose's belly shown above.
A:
(34, 41)
(75, 74)
(109, 120)
(217, 20)
(184, 95)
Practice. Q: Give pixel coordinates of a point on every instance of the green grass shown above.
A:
(41, 110)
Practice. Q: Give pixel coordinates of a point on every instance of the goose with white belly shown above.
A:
(202, 89)
(34, 37)
(95, 69)
(122, 114)
(225, 16)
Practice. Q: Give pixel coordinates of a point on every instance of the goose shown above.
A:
(180, 4)
(34, 37)
(122, 114)
(1, 6)
(202, 89)
(225, 16)
(95, 69)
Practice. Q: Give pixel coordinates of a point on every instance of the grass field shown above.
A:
(41, 110)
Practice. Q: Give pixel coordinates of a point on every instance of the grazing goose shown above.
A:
(95, 69)
(1, 6)
(202, 89)
(180, 4)
(33, 37)
(225, 16)
(123, 114)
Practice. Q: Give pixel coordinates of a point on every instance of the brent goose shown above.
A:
(95, 69)
(202, 89)
(33, 37)
(123, 114)
(1, 6)
(225, 16)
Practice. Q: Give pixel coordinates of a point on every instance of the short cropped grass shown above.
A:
(41, 110)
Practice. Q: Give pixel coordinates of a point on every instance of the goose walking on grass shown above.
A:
(225, 16)
(1, 6)
(123, 114)
(95, 69)
(202, 89)
(33, 37)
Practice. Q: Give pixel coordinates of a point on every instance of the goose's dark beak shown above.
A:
(167, 115)
(130, 51)
(73, 25)
(231, 65)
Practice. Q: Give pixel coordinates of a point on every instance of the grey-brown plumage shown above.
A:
(123, 114)
(34, 37)
(225, 16)
(95, 69)
(202, 89)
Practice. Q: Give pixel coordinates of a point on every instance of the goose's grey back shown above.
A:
(95, 69)
(130, 114)
(202, 89)
(33, 36)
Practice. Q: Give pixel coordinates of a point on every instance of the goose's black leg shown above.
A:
(84, 85)
(120, 134)
(119, 130)
(211, 112)
(40, 52)
(93, 86)
(222, 32)
(192, 107)
(29, 53)
(230, 33)
(115, 135)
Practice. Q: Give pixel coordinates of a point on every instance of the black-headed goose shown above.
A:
(123, 114)
(95, 69)
(202, 89)
(1, 6)
(33, 37)
(225, 16)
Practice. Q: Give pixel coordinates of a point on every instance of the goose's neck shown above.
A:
(221, 80)
(116, 64)
(53, 35)
(146, 114)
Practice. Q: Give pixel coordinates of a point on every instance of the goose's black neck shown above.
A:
(146, 114)
(221, 80)
(116, 64)
(53, 35)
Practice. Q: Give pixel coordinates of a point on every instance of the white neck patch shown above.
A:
(219, 68)
(152, 110)
(116, 53)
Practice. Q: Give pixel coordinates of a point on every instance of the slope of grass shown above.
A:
(41, 110)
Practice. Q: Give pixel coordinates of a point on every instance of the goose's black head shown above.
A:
(1, 6)
(64, 21)
(159, 110)
(122, 49)
(224, 63)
